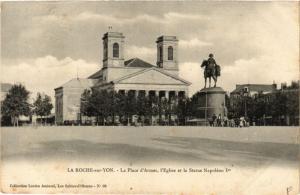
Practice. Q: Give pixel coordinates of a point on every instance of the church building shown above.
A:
(133, 75)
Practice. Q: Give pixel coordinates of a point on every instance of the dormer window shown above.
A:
(115, 50)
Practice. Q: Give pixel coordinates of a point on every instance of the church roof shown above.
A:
(78, 82)
(96, 75)
(136, 62)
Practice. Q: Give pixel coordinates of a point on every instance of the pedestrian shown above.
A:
(219, 119)
(214, 119)
(211, 122)
(225, 121)
(241, 121)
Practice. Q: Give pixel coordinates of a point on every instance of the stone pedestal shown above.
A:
(211, 101)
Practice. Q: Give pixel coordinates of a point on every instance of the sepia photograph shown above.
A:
(150, 97)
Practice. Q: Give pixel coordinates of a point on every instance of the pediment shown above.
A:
(152, 76)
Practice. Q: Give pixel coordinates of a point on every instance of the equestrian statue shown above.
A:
(211, 70)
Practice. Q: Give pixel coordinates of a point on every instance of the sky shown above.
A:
(45, 44)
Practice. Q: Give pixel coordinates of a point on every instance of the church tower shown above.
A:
(167, 53)
(113, 49)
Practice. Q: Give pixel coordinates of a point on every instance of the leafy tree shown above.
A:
(94, 104)
(192, 105)
(120, 107)
(294, 85)
(153, 107)
(278, 106)
(130, 106)
(38, 105)
(184, 109)
(85, 106)
(141, 104)
(42, 105)
(164, 109)
(293, 106)
(16, 103)
(258, 107)
(142, 107)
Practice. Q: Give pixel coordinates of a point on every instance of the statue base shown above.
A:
(211, 101)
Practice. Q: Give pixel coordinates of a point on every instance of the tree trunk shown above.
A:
(12, 119)
(113, 119)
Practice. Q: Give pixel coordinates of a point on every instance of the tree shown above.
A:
(152, 107)
(85, 106)
(15, 103)
(184, 109)
(97, 103)
(142, 108)
(163, 109)
(120, 106)
(130, 106)
(42, 105)
(278, 107)
(293, 106)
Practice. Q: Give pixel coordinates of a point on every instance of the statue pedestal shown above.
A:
(211, 101)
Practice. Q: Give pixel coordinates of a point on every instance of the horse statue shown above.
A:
(212, 70)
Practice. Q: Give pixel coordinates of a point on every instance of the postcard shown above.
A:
(150, 97)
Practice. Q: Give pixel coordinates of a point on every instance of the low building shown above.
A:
(249, 90)
(67, 99)
(252, 89)
(265, 104)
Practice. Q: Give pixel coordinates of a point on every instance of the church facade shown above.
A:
(126, 76)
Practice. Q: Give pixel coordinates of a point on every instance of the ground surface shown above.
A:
(256, 156)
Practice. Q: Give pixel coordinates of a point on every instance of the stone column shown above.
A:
(136, 93)
(176, 93)
(167, 94)
(157, 93)
(146, 93)
(186, 94)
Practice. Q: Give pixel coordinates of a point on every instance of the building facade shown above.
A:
(133, 75)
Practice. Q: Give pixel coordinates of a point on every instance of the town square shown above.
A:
(150, 97)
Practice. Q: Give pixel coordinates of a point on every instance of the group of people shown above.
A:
(223, 121)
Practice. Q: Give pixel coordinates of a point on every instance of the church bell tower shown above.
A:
(167, 47)
(113, 49)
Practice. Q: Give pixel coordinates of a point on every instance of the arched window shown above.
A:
(170, 53)
(116, 50)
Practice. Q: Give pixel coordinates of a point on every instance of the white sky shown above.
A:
(44, 43)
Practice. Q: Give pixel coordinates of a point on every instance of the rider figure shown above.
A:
(212, 69)
(211, 60)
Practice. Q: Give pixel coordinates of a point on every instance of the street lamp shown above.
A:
(245, 95)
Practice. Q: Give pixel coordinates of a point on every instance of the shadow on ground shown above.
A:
(87, 151)
(165, 149)
(282, 151)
